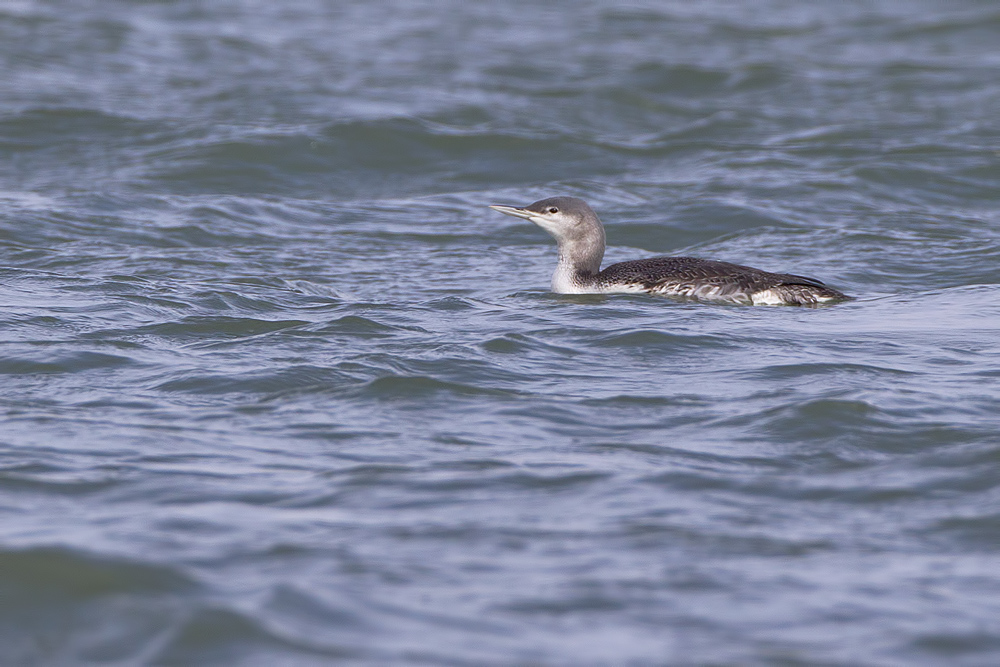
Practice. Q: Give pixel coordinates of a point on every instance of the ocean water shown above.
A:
(277, 387)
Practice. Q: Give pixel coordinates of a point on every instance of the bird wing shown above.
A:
(682, 273)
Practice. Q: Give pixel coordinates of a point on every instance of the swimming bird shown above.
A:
(580, 236)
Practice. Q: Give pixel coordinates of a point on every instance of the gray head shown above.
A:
(574, 225)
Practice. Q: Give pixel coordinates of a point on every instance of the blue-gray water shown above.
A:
(276, 387)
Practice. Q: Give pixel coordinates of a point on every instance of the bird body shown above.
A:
(580, 236)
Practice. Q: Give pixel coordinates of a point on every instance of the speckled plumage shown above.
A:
(580, 236)
(692, 277)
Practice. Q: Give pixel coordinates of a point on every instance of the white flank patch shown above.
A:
(767, 297)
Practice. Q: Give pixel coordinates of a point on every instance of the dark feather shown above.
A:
(691, 276)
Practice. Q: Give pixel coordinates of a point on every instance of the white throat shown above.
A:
(566, 279)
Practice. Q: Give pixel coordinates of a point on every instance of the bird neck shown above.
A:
(579, 263)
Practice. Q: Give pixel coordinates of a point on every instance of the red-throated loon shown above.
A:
(580, 236)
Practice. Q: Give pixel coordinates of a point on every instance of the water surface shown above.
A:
(276, 387)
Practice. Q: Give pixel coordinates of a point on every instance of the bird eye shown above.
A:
(553, 209)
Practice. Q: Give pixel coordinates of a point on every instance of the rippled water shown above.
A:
(276, 387)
